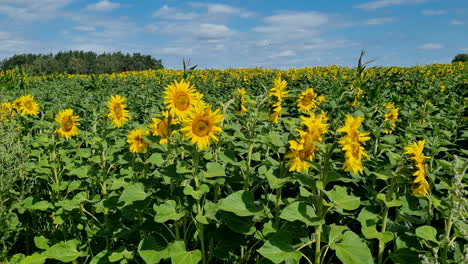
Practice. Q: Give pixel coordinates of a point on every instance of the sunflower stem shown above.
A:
(199, 207)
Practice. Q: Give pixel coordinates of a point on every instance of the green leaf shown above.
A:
(41, 206)
(167, 211)
(351, 249)
(65, 251)
(41, 242)
(101, 258)
(237, 223)
(156, 159)
(132, 193)
(405, 256)
(241, 203)
(273, 181)
(35, 258)
(214, 169)
(393, 203)
(428, 233)
(302, 212)
(278, 249)
(80, 172)
(152, 250)
(188, 190)
(275, 139)
(341, 199)
(180, 256)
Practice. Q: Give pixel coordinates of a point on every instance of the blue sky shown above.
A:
(232, 34)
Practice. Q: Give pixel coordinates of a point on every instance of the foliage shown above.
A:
(81, 62)
(460, 58)
(89, 199)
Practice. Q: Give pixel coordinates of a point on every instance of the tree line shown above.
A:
(80, 62)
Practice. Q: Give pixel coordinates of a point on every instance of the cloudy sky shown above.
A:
(255, 33)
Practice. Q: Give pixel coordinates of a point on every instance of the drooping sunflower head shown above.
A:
(6, 110)
(181, 98)
(240, 108)
(160, 128)
(316, 125)
(308, 100)
(117, 111)
(302, 151)
(416, 149)
(136, 139)
(68, 123)
(278, 90)
(26, 105)
(420, 188)
(201, 126)
(351, 144)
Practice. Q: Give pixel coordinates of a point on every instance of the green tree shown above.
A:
(460, 57)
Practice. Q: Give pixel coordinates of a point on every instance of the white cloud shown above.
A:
(85, 28)
(103, 6)
(284, 53)
(431, 46)
(381, 20)
(30, 10)
(458, 22)
(199, 31)
(166, 12)
(373, 5)
(428, 12)
(226, 10)
(182, 51)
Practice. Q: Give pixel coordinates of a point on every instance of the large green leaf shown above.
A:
(196, 194)
(237, 223)
(214, 169)
(35, 258)
(278, 249)
(65, 251)
(180, 256)
(167, 211)
(302, 212)
(241, 203)
(340, 198)
(152, 250)
(428, 233)
(350, 248)
(132, 193)
(41, 242)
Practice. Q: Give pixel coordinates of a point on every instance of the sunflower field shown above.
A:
(313, 165)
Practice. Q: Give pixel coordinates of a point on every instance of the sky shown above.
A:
(238, 34)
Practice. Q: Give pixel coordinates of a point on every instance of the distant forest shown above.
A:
(80, 62)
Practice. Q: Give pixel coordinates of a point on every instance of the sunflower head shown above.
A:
(160, 128)
(241, 109)
(68, 123)
(278, 89)
(201, 126)
(308, 100)
(416, 149)
(302, 151)
(181, 98)
(117, 111)
(136, 139)
(351, 144)
(6, 110)
(26, 105)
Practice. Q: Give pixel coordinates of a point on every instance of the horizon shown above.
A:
(233, 34)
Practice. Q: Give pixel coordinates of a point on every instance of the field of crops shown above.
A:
(313, 165)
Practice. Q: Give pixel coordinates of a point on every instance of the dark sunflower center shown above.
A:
(117, 111)
(67, 124)
(201, 128)
(182, 101)
(307, 99)
(162, 129)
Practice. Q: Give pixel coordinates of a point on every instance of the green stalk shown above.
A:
(247, 172)
(199, 207)
(381, 243)
(318, 234)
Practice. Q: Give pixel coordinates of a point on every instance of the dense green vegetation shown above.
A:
(89, 199)
(81, 62)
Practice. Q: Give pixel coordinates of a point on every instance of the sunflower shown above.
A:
(68, 123)
(201, 126)
(308, 100)
(117, 110)
(181, 98)
(26, 105)
(137, 141)
(420, 185)
(316, 125)
(6, 110)
(159, 127)
(391, 116)
(241, 109)
(277, 93)
(302, 150)
(351, 144)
